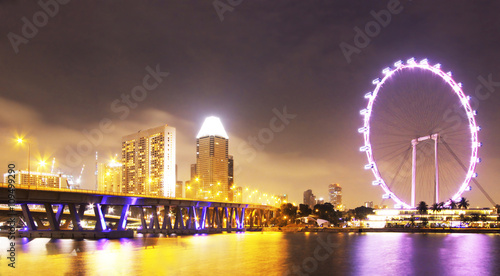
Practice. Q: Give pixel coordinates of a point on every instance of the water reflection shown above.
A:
(262, 254)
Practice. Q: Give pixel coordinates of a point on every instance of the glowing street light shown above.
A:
(21, 141)
(42, 164)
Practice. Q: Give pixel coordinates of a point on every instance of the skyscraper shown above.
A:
(109, 177)
(212, 160)
(230, 179)
(335, 193)
(179, 189)
(309, 198)
(148, 159)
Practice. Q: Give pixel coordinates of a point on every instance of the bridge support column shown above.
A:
(54, 226)
(154, 223)
(143, 220)
(100, 224)
(190, 224)
(179, 220)
(242, 218)
(122, 224)
(75, 218)
(203, 217)
(60, 210)
(28, 218)
(167, 222)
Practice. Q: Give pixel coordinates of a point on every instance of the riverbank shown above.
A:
(384, 230)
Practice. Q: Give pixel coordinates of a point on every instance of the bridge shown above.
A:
(70, 213)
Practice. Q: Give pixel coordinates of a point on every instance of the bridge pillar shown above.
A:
(122, 223)
(54, 226)
(242, 219)
(203, 217)
(75, 218)
(154, 223)
(179, 220)
(226, 215)
(100, 224)
(28, 218)
(189, 222)
(60, 210)
(167, 222)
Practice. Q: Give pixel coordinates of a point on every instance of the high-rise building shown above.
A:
(280, 199)
(40, 179)
(230, 177)
(179, 189)
(309, 198)
(238, 194)
(191, 186)
(212, 160)
(148, 159)
(109, 177)
(193, 171)
(335, 193)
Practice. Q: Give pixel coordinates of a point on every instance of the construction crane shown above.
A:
(53, 163)
(79, 180)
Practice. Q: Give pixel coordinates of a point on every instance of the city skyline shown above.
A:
(287, 94)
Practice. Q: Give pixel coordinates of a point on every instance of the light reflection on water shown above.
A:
(262, 254)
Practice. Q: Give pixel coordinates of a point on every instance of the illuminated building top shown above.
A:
(212, 127)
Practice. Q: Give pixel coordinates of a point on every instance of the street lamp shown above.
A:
(42, 164)
(20, 141)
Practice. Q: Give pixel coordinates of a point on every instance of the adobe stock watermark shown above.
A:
(321, 253)
(482, 92)
(11, 222)
(122, 107)
(456, 115)
(223, 6)
(40, 19)
(363, 37)
(265, 136)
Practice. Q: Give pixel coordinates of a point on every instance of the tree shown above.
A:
(362, 212)
(463, 219)
(436, 208)
(475, 217)
(422, 208)
(441, 205)
(484, 219)
(464, 203)
(412, 221)
(453, 204)
(425, 221)
(289, 210)
(498, 208)
(304, 210)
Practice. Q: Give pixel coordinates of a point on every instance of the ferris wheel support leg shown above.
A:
(435, 137)
(414, 143)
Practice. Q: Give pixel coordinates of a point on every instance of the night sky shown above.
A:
(71, 74)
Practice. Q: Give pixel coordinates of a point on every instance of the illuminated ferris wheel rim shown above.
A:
(456, 87)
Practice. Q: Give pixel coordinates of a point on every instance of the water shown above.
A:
(269, 253)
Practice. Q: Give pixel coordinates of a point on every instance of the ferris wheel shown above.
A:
(420, 134)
